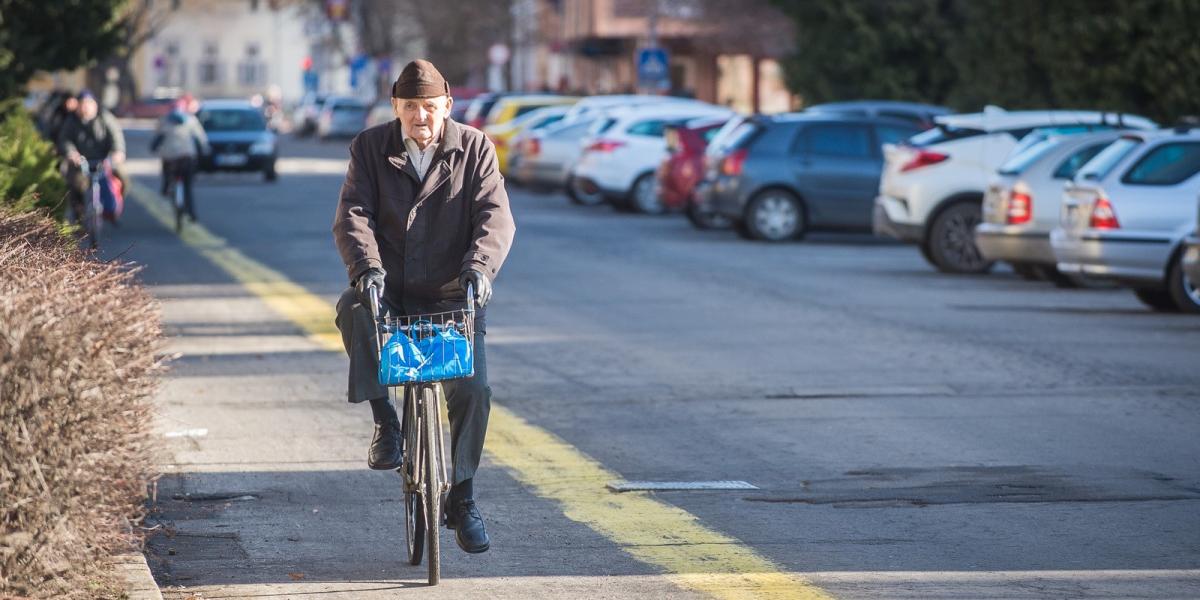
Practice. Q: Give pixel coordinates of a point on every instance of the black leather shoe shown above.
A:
(467, 523)
(387, 447)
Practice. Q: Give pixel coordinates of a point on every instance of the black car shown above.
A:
(239, 137)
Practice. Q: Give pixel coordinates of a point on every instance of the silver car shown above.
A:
(548, 154)
(1127, 212)
(1191, 253)
(1022, 202)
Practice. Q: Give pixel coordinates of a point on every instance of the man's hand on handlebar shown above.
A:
(372, 277)
(483, 287)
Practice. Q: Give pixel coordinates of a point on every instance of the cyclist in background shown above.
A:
(93, 134)
(178, 141)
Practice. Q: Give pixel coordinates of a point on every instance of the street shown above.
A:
(910, 434)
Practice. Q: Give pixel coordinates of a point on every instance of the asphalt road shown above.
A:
(911, 434)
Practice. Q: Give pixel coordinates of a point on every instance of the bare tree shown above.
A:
(138, 23)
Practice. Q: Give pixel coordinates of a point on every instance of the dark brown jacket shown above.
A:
(423, 234)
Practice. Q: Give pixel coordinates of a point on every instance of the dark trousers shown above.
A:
(186, 167)
(469, 401)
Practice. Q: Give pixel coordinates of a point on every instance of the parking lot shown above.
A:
(1021, 440)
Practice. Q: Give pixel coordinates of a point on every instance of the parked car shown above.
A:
(304, 116)
(381, 112)
(238, 135)
(777, 177)
(1191, 252)
(1022, 203)
(1127, 212)
(502, 134)
(480, 106)
(920, 115)
(589, 108)
(932, 186)
(684, 166)
(545, 157)
(342, 117)
(511, 107)
(625, 148)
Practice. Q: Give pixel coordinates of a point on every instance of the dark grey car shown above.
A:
(778, 177)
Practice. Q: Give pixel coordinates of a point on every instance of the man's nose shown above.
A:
(422, 114)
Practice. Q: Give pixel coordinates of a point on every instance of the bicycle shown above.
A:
(423, 470)
(177, 193)
(92, 218)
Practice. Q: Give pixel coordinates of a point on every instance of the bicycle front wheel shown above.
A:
(433, 480)
(414, 500)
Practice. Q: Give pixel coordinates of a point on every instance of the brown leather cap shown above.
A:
(420, 79)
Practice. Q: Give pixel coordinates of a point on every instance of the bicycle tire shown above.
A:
(92, 219)
(433, 482)
(177, 192)
(414, 502)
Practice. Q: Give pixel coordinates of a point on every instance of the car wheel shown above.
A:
(952, 240)
(643, 196)
(269, 174)
(707, 220)
(1157, 299)
(775, 216)
(1184, 292)
(584, 192)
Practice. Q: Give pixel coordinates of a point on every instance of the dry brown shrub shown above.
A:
(79, 358)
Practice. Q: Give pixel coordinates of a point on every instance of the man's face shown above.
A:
(422, 118)
(88, 109)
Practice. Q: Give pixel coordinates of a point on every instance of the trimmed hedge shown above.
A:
(29, 175)
(80, 342)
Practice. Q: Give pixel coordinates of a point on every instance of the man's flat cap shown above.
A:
(420, 79)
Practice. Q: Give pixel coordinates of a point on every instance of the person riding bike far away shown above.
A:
(93, 134)
(178, 141)
(423, 214)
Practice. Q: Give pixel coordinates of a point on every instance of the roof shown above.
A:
(999, 119)
(227, 104)
(881, 104)
(682, 111)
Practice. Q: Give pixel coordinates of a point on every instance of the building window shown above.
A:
(210, 65)
(174, 4)
(253, 5)
(252, 70)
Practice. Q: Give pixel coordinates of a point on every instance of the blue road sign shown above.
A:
(653, 68)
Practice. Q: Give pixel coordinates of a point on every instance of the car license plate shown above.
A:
(230, 160)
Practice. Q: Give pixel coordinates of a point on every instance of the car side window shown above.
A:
(842, 140)
(647, 128)
(1168, 164)
(1069, 167)
(892, 134)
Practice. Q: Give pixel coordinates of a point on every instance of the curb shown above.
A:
(139, 582)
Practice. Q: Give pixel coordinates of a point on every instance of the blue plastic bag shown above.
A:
(400, 361)
(448, 355)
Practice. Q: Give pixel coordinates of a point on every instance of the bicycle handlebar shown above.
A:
(373, 296)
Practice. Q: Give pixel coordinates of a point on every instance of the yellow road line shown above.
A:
(693, 556)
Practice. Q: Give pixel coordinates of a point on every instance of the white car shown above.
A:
(545, 156)
(589, 108)
(1127, 213)
(932, 186)
(625, 148)
(1022, 201)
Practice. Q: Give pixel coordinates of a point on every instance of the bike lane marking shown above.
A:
(691, 555)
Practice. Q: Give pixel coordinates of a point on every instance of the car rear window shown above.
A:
(941, 134)
(1071, 166)
(1168, 164)
(894, 134)
(1107, 159)
(652, 128)
(232, 120)
(738, 134)
(1022, 159)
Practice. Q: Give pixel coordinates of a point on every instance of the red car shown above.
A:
(684, 166)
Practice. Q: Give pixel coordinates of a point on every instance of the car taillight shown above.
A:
(499, 142)
(1103, 215)
(533, 147)
(603, 146)
(733, 162)
(924, 158)
(1020, 208)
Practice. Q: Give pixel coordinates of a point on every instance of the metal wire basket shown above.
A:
(425, 348)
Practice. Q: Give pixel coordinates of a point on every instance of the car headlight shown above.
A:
(266, 146)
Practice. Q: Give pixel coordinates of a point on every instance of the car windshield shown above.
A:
(1021, 159)
(1108, 158)
(232, 120)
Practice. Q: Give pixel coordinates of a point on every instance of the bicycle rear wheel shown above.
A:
(433, 480)
(414, 501)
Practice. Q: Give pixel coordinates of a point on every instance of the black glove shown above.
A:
(483, 287)
(372, 277)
